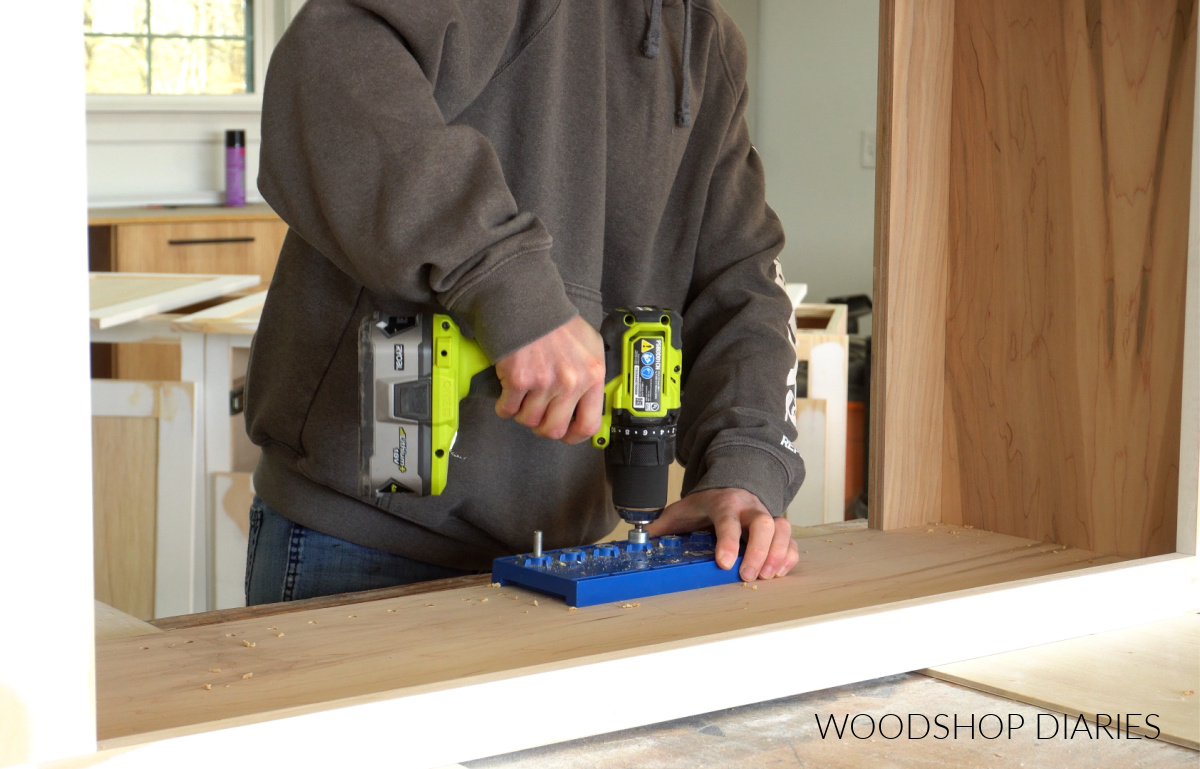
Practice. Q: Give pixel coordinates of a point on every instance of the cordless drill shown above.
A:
(643, 361)
(415, 370)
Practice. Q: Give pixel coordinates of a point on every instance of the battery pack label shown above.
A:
(647, 377)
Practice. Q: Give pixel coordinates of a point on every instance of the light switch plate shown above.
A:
(868, 149)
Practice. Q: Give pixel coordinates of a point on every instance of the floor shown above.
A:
(785, 733)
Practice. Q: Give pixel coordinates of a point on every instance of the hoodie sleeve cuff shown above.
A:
(752, 469)
(517, 302)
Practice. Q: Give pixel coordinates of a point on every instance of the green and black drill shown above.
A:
(415, 370)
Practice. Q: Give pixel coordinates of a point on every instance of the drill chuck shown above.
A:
(639, 458)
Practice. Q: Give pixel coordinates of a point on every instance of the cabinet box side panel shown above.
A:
(1070, 186)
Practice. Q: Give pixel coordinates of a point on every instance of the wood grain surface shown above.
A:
(107, 290)
(424, 640)
(124, 504)
(911, 199)
(1069, 206)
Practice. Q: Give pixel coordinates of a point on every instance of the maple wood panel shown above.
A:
(911, 194)
(1069, 204)
(1033, 199)
(261, 666)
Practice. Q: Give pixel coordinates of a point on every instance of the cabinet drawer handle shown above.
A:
(208, 241)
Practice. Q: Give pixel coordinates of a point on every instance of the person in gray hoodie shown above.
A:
(525, 166)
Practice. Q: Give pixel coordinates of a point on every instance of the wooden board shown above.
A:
(1187, 537)
(113, 623)
(164, 214)
(118, 298)
(403, 644)
(148, 536)
(787, 734)
(1146, 669)
(239, 316)
(1070, 199)
(911, 198)
(822, 342)
(124, 505)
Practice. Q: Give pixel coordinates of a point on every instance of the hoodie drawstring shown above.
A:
(650, 45)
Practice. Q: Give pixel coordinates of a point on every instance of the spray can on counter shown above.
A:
(235, 168)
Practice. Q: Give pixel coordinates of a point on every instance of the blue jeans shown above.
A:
(286, 562)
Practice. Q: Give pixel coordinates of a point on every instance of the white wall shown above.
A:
(816, 95)
(136, 158)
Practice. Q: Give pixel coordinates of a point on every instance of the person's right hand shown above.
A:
(555, 385)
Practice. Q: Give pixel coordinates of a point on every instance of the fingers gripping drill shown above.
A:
(415, 370)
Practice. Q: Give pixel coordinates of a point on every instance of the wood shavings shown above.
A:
(312, 622)
(170, 646)
(393, 611)
(230, 635)
(428, 605)
(464, 600)
(630, 605)
(494, 584)
(516, 597)
(279, 635)
(248, 644)
(483, 600)
(226, 686)
(352, 616)
(272, 628)
(929, 531)
(208, 687)
(571, 608)
(1188, 692)
(535, 603)
(526, 611)
(247, 675)
(214, 670)
(143, 648)
(829, 540)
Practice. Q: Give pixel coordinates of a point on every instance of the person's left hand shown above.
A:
(770, 549)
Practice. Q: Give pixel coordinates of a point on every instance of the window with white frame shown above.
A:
(169, 47)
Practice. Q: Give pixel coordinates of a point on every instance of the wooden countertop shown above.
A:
(168, 214)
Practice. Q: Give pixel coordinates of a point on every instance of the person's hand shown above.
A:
(555, 385)
(770, 549)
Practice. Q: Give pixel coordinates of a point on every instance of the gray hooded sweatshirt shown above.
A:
(513, 163)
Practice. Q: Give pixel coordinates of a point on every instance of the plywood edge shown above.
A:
(197, 288)
(237, 316)
(1187, 534)
(972, 623)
